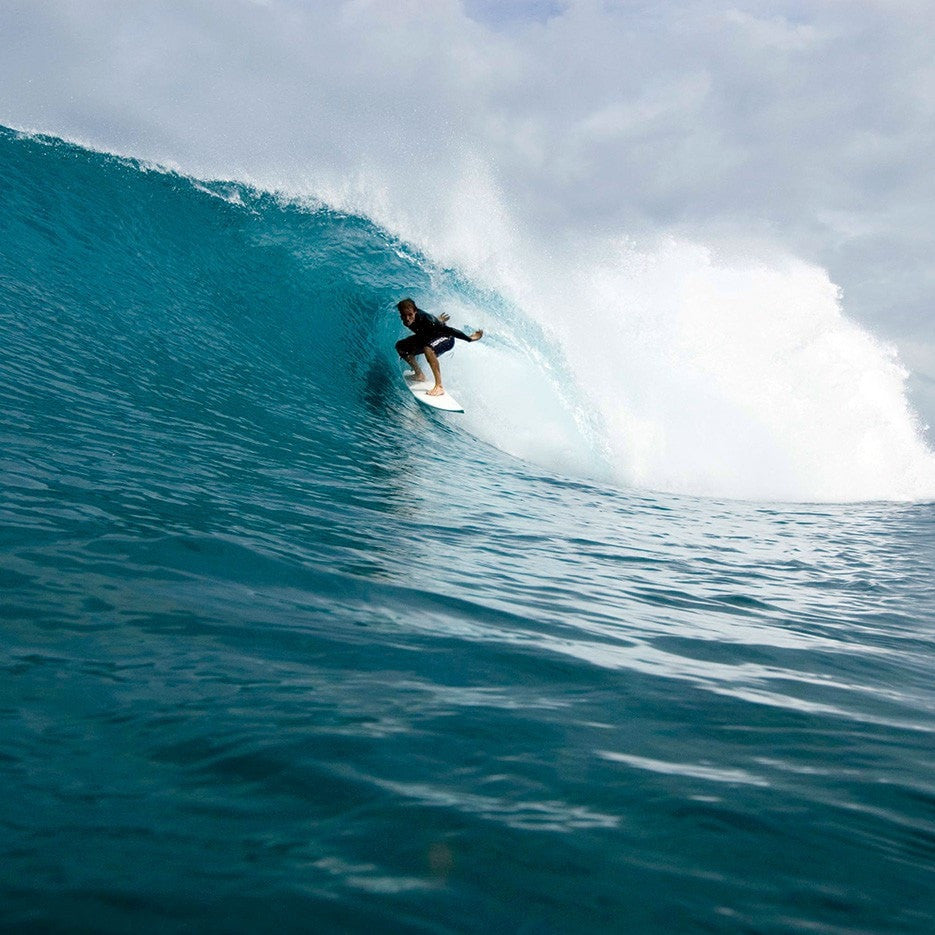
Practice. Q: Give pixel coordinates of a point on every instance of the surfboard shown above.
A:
(420, 389)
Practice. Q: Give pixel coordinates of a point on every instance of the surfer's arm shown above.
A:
(454, 333)
(432, 327)
(476, 336)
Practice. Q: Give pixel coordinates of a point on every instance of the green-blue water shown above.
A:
(281, 650)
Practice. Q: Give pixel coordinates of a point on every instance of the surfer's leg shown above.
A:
(433, 350)
(408, 353)
(416, 369)
(432, 358)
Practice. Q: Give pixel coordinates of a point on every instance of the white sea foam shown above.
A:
(743, 380)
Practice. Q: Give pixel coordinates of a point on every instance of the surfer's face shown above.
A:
(407, 314)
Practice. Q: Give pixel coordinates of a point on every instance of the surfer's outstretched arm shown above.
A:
(453, 332)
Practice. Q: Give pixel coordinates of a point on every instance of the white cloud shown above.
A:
(774, 32)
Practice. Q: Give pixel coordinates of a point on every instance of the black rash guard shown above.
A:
(428, 327)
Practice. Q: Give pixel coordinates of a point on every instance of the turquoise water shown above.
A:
(282, 650)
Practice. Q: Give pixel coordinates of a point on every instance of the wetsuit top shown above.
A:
(428, 327)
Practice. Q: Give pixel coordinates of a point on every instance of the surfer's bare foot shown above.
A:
(436, 391)
(419, 376)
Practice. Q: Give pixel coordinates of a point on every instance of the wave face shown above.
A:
(546, 164)
(666, 369)
(282, 650)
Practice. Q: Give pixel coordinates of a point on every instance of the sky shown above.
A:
(763, 129)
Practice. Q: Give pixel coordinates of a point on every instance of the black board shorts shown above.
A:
(416, 345)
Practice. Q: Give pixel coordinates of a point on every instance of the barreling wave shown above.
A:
(141, 293)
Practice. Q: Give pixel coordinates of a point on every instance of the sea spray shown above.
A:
(701, 374)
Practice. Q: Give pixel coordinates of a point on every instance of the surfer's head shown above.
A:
(407, 311)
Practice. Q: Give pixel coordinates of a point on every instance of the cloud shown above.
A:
(498, 14)
(775, 32)
(778, 117)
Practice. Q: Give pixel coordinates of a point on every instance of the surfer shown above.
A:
(432, 337)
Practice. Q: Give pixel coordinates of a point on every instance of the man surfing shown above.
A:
(432, 337)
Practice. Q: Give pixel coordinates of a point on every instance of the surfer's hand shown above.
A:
(444, 317)
(477, 335)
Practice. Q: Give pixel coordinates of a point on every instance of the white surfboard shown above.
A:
(420, 388)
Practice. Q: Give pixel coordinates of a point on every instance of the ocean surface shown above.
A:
(283, 651)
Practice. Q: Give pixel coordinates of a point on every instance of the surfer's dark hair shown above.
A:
(402, 302)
